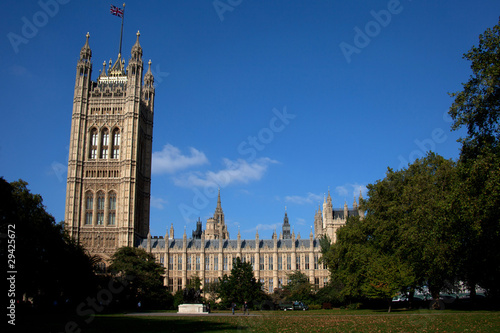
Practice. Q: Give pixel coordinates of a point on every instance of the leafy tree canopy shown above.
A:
(48, 262)
(477, 106)
(144, 277)
(240, 285)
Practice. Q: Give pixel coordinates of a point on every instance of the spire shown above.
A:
(286, 227)
(137, 49)
(218, 201)
(86, 52)
(172, 231)
(103, 72)
(148, 77)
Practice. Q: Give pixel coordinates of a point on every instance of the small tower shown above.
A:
(216, 226)
(286, 227)
(318, 223)
(197, 233)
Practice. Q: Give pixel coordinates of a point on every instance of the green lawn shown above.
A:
(298, 321)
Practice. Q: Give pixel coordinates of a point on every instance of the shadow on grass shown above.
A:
(152, 325)
(122, 324)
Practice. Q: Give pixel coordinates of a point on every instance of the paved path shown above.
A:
(175, 314)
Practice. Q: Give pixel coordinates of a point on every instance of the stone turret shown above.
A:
(286, 227)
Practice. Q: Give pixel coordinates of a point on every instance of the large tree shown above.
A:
(477, 195)
(407, 239)
(143, 277)
(298, 288)
(240, 285)
(48, 263)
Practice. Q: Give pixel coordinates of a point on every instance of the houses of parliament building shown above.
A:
(109, 182)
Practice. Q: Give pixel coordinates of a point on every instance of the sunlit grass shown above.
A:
(297, 321)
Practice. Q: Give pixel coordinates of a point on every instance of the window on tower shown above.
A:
(105, 143)
(112, 209)
(115, 152)
(89, 207)
(93, 144)
(100, 208)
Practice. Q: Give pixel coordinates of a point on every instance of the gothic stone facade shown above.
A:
(109, 180)
(109, 167)
(209, 258)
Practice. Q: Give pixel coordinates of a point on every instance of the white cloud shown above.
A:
(239, 171)
(348, 191)
(264, 227)
(157, 202)
(171, 160)
(301, 200)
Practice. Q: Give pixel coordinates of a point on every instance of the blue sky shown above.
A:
(274, 101)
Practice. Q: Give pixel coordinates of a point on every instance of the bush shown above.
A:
(314, 307)
(354, 306)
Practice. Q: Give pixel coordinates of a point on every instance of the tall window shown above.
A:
(197, 263)
(289, 262)
(280, 263)
(261, 263)
(271, 288)
(316, 262)
(297, 260)
(112, 209)
(188, 263)
(225, 263)
(105, 143)
(100, 208)
(270, 262)
(179, 263)
(115, 152)
(89, 207)
(93, 144)
(207, 263)
(170, 262)
(306, 262)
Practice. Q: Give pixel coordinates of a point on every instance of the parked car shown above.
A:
(293, 306)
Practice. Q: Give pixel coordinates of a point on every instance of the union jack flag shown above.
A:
(116, 11)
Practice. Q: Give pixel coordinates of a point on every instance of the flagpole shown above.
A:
(121, 32)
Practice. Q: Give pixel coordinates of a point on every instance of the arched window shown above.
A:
(93, 144)
(105, 143)
(89, 208)
(112, 209)
(115, 152)
(100, 208)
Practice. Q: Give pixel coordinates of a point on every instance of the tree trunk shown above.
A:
(390, 305)
(411, 294)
